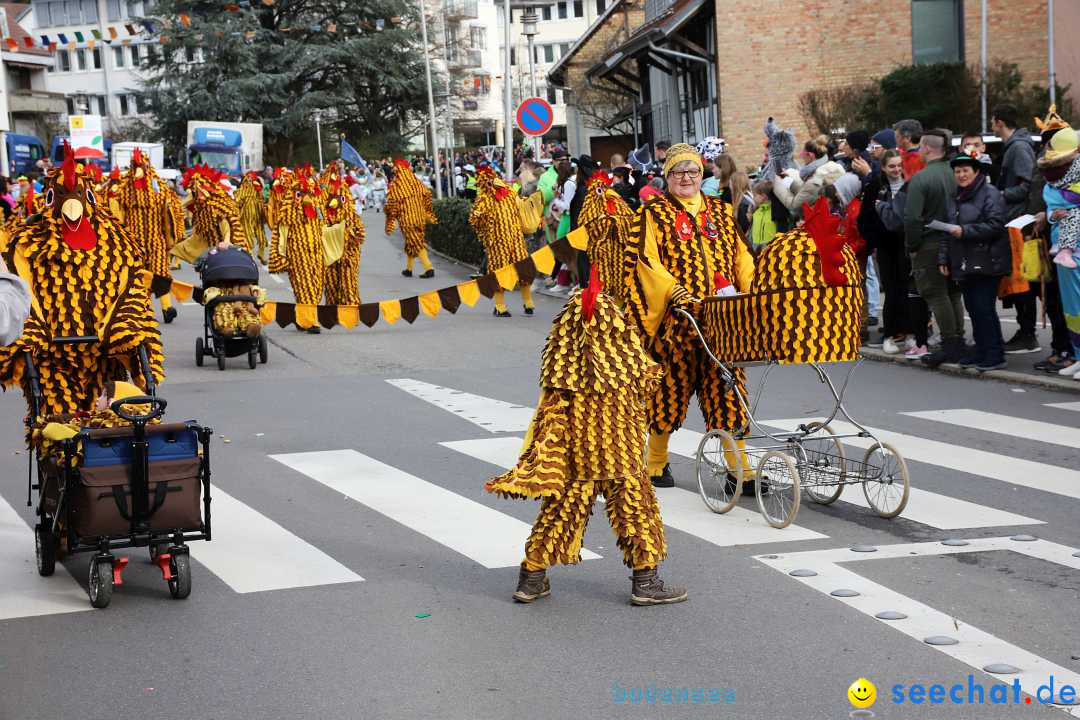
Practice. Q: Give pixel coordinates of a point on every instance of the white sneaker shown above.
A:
(1070, 371)
(909, 343)
(935, 339)
(889, 347)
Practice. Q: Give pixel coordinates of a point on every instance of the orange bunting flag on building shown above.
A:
(185, 20)
(11, 43)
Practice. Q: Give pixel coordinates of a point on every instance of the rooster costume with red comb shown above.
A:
(249, 200)
(607, 219)
(300, 225)
(343, 275)
(408, 204)
(215, 217)
(587, 438)
(83, 272)
(497, 222)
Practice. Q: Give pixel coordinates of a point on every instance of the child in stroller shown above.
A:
(232, 300)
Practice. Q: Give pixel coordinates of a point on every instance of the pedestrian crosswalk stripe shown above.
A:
(1005, 425)
(252, 553)
(24, 593)
(489, 537)
(1065, 406)
(681, 509)
(1018, 471)
(975, 647)
(490, 414)
(937, 511)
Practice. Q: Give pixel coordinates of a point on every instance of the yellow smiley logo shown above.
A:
(862, 693)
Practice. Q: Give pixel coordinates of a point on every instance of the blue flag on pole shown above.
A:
(351, 157)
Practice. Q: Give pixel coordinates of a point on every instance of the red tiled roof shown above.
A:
(18, 33)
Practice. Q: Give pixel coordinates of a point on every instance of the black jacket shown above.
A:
(870, 223)
(984, 248)
(1017, 170)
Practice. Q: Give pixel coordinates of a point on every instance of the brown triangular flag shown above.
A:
(450, 298)
(327, 315)
(160, 286)
(286, 314)
(563, 252)
(488, 285)
(369, 313)
(526, 270)
(410, 308)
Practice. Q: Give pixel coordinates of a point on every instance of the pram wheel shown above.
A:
(781, 505)
(45, 549)
(221, 359)
(199, 351)
(180, 566)
(886, 482)
(100, 585)
(253, 355)
(825, 470)
(263, 349)
(714, 467)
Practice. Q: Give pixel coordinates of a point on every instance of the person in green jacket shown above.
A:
(762, 225)
(928, 197)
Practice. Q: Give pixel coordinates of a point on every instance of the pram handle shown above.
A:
(157, 408)
(76, 340)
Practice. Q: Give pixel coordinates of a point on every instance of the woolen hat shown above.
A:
(858, 140)
(885, 138)
(587, 165)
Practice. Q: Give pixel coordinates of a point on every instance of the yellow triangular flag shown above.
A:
(544, 260)
(430, 303)
(469, 292)
(181, 290)
(348, 316)
(579, 239)
(268, 313)
(307, 315)
(507, 277)
(391, 310)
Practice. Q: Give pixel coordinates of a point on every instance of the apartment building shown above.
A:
(27, 106)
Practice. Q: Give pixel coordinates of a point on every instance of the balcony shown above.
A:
(461, 10)
(464, 58)
(656, 8)
(36, 101)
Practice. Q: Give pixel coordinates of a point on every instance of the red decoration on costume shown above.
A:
(683, 226)
(600, 176)
(30, 199)
(706, 225)
(588, 295)
(611, 206)
(502, 192)
(80, 237)
(68, 168)
(823, 227)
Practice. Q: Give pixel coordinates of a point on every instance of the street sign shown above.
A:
(535, 116)
(86, 137)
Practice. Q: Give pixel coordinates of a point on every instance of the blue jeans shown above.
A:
(873, 289)
(980, 300)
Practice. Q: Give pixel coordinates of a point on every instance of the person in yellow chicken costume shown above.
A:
(586, 439)
(408, 204)
(607, 220)
(142, 204)
(83, 271)
(343, 275)
(496, 219)
(683, 246)
(249, 200)
(215, 216)
(299, 222)
(280, 187)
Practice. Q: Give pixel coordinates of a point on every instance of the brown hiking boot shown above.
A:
(648, 589)
(531, 585)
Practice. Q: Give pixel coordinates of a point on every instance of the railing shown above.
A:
(464, 57)
(461, 10)
(658, 118)
(656, 8)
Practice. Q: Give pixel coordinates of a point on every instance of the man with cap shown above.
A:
(683, 247)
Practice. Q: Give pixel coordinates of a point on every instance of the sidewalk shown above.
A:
(1018, 372)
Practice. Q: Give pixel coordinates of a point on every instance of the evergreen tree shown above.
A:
(277, 62)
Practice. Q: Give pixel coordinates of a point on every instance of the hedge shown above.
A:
(453, 236)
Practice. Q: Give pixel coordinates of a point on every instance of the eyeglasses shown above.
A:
(687, 174)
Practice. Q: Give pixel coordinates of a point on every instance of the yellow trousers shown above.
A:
(657, 456)
(423, 256)
(526, 296)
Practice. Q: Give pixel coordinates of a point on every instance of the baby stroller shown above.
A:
(222, 269)
(108, 488)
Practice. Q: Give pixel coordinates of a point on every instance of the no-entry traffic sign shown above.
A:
(535, 116)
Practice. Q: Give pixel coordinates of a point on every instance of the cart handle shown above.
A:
(76, 340)
(728, 377)
(157, 408)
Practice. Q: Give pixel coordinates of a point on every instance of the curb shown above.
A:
(1007, 376)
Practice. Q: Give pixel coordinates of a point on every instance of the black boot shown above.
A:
(430, 273)
(407, 273)
(531, 585)
(168, 315)
(665, 479)
(951, 351)
(648, 589)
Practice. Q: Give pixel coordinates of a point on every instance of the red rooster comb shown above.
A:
(588, 295)
(485, 170)
(136, 157)
(68, 168)
(30, 200)
(823, 227)
(600, 176)
(402, 163)
(114, 174)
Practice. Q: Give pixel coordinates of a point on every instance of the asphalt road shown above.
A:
(349, 504)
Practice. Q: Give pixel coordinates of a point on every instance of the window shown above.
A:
(478, 37)
(545, 12)
(549, 53)
(563, 10)
(118, 56)
(579, 8)
(601, 6)
(97, 105)
(134, 56)
(89, 11)
(63, 61)
(70, 101)
(96, 56)
(124, 107)
(73, 11)
(564, 49)
(551, 95)
(189, 54)
(513, 56)
(80, 57)
(937, 31)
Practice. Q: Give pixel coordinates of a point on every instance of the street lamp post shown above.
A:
(508, 95)
(528, 29)
(431, 103)
(318, 138)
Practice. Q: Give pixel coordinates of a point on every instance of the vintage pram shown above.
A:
(792, 316)
(230, 266)
(143, 485)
